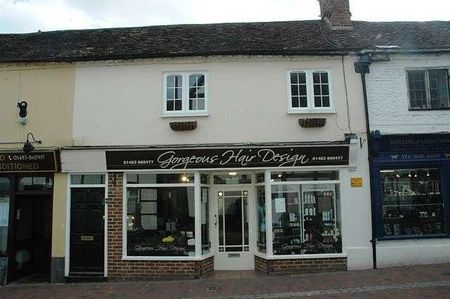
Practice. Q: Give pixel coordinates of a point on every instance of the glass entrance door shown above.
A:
(234, 250)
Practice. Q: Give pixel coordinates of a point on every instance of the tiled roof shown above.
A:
(262, 38)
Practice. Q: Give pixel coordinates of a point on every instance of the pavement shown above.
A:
(405, 282)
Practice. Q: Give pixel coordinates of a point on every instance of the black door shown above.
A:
(87, 231)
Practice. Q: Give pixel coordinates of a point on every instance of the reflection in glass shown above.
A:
(261, 218)
(412, 202)
(306, 219)
(4, 219)
(35, 183)
(160, 221)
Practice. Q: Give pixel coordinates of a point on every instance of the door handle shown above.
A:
(215, 220)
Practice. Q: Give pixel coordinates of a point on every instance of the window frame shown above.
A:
(376, 172)
(427, 87)
(309, 92)
(184, 95)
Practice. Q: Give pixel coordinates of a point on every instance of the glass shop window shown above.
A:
(206, 244)
(88, 179)
(35, 183)
(306, 219)
(232, 178)
(161, 217)
(4, 184)
(261, 218)
(4, 219)
(287, 176)
(412, 202)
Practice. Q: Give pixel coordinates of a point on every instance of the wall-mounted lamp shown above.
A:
(28, 147)
(22, 118)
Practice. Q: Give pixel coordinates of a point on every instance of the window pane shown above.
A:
(294, 78)
(78, 179)
(232, 179)
(201, 104)
(169, 105)
(439, 89)
(160, 221)
(417, 90)
(304, 176)
(305, 219)
(4, 220)
(178, 105)
(157, 178)
(35, 183)
(4, 184)
(170, 93)
(261, 214)
(178, 93)
(412, 202)
(303, 102)
(321, 89)
(206, 244)
(295, 102)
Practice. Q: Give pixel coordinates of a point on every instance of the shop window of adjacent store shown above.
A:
(35, 183)
(412, 203)
(4, 218)
(87, 179)
(160, 219)
(306, 216)
(428, 89)
(185, 94)
(310, 91)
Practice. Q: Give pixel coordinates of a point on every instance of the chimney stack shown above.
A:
(336, 13)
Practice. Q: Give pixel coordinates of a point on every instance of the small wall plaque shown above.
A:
(356, 182)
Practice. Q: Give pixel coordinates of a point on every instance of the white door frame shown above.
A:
(221, 260)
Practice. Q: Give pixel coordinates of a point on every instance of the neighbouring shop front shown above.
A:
(412, 192)
(26, 197)
(187, 211)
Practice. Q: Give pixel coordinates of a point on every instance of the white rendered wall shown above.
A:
(387, 93)
(388, 112)
(120, 104)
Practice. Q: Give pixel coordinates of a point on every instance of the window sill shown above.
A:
(420, 237)
(312, 111)
(302, 256)
(167, 258)
(185, 114)
(431, 109)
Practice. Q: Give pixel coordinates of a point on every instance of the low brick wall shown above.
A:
(119, 269)
(292, 266)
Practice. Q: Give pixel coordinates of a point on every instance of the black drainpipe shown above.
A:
(362, 66)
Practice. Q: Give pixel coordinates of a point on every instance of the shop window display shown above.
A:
(160, 220)
(412, 202)
(306, 219)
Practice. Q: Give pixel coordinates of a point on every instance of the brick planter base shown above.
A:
(292, 266)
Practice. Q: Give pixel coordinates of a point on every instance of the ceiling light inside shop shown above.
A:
(233, 173)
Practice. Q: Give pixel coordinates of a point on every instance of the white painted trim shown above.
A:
(68, 208)
(124, 216)
(257, 169)
(88, 186)
(105, 258)
(184, 112)
(197, 215)
(268, 203)
(160, 185)
(304, 256)
(306, 182)
(309, 93)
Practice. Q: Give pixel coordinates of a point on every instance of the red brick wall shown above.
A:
(291, 266)
(121, 270)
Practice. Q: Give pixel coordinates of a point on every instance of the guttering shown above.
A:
(362, 66)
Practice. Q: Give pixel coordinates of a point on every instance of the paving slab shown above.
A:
(403, 282)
